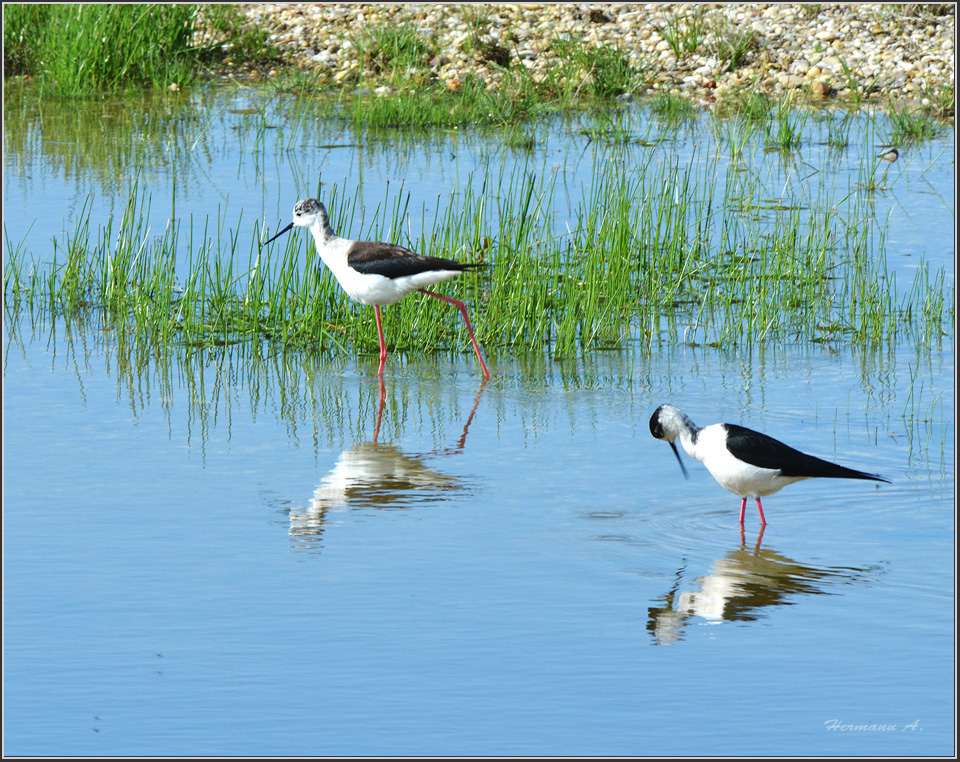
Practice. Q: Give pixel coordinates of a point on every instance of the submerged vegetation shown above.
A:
(629, 265)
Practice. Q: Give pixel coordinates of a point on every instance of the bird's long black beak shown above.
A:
(677, 453)
(277, 235)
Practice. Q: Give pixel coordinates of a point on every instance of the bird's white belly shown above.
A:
(373, 289)
(378, 289)
(733, 474)
(745, 480)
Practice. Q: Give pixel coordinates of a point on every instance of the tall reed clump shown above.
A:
(77, 50)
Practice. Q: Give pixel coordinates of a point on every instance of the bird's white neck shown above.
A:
(322, 233)
(332, 249)
(687, 432)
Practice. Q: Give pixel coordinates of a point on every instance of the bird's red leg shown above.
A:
(763, 528)
(383, 400)
(383, 344)
(463, 311)
(743, 510)
(763, 521)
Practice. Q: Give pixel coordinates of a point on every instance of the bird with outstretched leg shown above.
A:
(378, 273)
(745, 462)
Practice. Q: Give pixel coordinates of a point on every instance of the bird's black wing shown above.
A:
(394, 261)
(763, 451)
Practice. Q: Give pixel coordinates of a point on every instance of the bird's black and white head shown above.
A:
(667, 423)
(308, 213)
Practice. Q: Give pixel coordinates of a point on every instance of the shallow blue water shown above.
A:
(222, 552)
(207, 164)
(516, 567)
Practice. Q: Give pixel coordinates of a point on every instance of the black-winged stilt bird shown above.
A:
(746, 462)
(889, 155)
(377, 273)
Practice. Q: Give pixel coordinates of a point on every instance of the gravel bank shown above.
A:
(906, 52)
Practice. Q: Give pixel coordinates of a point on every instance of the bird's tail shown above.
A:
(825, 469)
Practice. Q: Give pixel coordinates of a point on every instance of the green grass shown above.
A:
(77, 50)
(780, 122)
(672, 108)
(437, 105)
(393, 52)
(480, 41)
(942, 101)
(838, 130)
(685, 35)
(753, 106)
(858, 89)
(654, 249)
(605, 69)
(912, 127)
(394, 86)
(786, 126)
(729, 42)
(584, 76)
(609, 126)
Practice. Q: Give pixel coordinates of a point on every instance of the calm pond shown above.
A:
(244, 550)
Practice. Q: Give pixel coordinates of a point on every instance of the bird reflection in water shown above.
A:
(739, 587)
(375, 475)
